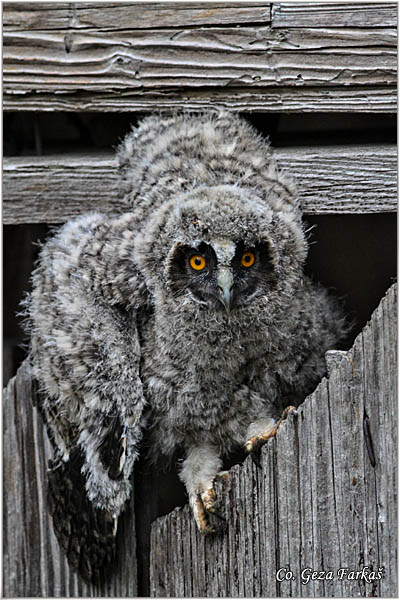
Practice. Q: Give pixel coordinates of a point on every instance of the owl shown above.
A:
(188, 315)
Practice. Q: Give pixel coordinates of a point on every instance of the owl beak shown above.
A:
(225, 285)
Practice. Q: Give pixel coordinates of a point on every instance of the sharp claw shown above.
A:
(218, 526)
(204, 513)
(253, 445)
(208, 499)
(253, 449)
(289, 410)
(222, 475)
(255, 455)
(208, 530)
(218, 515)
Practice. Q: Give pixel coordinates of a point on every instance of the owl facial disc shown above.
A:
(225, 250)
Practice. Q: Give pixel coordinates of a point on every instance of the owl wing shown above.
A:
(83, 315)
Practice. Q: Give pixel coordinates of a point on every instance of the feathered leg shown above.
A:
(199, 471)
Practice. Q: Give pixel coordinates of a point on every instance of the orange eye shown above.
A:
(197, 262)
(248, 259)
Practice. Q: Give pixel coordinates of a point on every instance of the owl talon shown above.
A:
(200, 516)
(203, 508)
(255, 455)
(218, 516)
(255, 443)
(288, 410)
(222, 475)
(208, 499)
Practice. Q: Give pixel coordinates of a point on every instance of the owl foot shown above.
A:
(269, 429)
(208, 520)
(199, 471)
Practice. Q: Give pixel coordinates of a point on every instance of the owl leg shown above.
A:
(200, 468)
(261, 431)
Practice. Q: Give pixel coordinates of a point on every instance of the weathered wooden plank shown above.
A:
(148, 56)
(53, 62)
(343, 179)
(343, 14)
(289, 100)
(130, 15)
(33, 565)
(317, 504)
(59, 186)
(238, 40)
(331, 179)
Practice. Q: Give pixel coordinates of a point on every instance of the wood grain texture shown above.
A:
(334, 14)
(55, 62)
(288, 100)
(317, 502)
(130, 15)
(117, 56)
(33, 565)
(331, 179)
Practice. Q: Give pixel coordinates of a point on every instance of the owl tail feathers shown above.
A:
(86, 534)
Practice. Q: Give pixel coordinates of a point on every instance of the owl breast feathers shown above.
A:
(188, 314)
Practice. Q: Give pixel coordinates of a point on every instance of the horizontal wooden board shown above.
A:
(136, 56)
(55, 62)
(135, 15)
(331, 179)
(334, 14)
(322, 500)
(289, 100)
(130, 15)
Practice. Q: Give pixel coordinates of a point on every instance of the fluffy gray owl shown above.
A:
(188, 314)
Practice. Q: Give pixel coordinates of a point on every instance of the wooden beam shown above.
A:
(288, 100)
(334, 14)
(33, 564)
(53, 62)
(130, 15)
(322, 500)
(125, 56)
(331, 179)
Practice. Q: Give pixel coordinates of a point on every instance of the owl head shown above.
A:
(222, 248)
